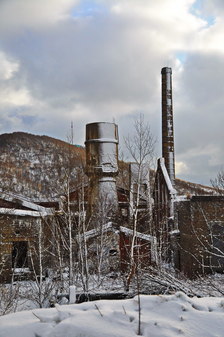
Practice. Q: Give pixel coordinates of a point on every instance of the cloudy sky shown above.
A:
(100, 60)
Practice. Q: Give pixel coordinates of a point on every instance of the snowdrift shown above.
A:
(161, 316)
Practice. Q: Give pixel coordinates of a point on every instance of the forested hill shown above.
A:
(36, 166)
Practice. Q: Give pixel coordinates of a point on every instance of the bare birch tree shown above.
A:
(140, 146)
(218, 182)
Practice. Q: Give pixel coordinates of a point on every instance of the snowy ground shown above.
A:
(161, 315)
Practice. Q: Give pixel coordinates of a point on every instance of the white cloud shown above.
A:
(58, 66)
(212, 7)
(7, 67)
(11, 97)
(181, 167)
(16, 14)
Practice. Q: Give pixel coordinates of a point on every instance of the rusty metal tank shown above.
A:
(167, 123)
(102, 164)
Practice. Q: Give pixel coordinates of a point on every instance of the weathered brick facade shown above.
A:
(21, 229)
(200, 246)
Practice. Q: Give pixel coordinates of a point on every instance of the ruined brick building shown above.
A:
(34, 235)
(187, 229)
(22, 224)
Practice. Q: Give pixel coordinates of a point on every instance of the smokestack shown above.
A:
(102, 166)
(167, 123)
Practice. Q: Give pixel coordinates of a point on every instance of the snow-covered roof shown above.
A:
(22, 201)
(23, 212)
(139, 235)
(94, 232)
(109, 227)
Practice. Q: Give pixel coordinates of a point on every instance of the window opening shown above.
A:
(20, 254)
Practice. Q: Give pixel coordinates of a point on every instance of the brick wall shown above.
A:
(201, 225)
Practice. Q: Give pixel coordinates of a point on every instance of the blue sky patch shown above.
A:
(181, 56)
(197, 10)
(88, 8)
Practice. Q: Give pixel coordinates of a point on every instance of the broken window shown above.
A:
(20, 254)
(217, 243)
(113, 252)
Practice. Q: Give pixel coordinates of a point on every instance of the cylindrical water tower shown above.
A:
(102, 166)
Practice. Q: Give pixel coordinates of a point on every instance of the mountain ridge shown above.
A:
(36, 166)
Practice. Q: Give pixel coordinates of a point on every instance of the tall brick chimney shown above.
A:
(167, 123)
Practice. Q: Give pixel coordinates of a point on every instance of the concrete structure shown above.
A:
(102, 166)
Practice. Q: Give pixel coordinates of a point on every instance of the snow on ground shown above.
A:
(161, 315)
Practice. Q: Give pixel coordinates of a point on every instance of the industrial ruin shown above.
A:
(187, 230)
